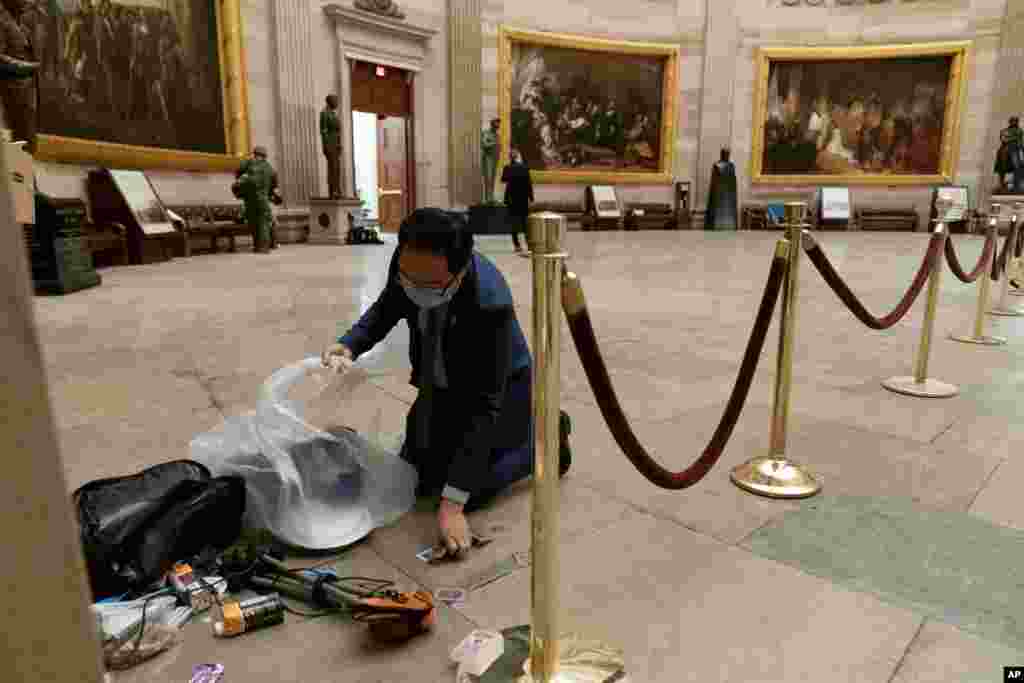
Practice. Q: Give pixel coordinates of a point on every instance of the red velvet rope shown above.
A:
(931, 258)
(600, 383)
(999, 264)
(954, 262)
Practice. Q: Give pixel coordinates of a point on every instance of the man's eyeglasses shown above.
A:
(407, 281)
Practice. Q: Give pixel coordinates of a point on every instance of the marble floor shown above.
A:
(160, 353)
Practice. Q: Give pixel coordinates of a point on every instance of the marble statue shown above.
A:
(19, 87)
(723, 208)
(330, 139)
(1010, 158)
(489, 158)
(386, 8)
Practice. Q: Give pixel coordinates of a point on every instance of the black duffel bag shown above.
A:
(134, 528)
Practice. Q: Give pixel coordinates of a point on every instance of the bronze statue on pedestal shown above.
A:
(19, 89)
(330, 138)
(723, 210)
(1010, 158)
(489, 158)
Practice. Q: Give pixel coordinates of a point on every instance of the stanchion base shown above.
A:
(774, 478)
(985, 341)
(930, 388)
(1009, 312)
(580, 661)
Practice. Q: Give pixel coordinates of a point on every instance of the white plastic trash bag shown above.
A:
(311, 488)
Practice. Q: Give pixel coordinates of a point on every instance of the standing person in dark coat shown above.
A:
(518, 195)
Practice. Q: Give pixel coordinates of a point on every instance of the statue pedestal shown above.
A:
(1006, 199)
(330, 219)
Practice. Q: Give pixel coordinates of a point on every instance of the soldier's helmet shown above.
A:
(259, 151)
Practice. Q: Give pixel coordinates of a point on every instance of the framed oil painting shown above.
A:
(141, 83)
(585, 110)
(882, 115)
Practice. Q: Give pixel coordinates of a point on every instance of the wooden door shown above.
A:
(392, 172)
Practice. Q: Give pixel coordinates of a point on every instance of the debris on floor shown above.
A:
(477, 652)
(207, 673)
(439, 553)
(256, 613)
(503, 568)
(451, 597)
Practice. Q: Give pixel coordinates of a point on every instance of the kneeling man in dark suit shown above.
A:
(470, 431)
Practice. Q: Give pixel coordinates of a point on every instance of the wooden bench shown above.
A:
(107, 242)
(650, 216)
(887, 219)
(572, 210)
(210, 222)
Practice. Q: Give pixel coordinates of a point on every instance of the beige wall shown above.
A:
(889, 22)
(717, 39)
(1008, 90)
(679, 22)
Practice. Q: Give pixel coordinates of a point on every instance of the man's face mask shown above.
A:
(429, 296)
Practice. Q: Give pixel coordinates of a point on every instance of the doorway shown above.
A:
(382, 137)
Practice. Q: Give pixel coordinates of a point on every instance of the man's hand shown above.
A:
(338, 357)
(455, 535)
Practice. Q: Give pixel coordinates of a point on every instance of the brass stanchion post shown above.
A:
(920, 384)
(545, 238)
(1004, 307)
(774, 475)
(984, 286)
(553, 657)
(1012, 270)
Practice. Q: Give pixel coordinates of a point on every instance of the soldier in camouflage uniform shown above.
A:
(257, 181)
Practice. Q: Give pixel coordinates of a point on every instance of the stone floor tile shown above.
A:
(942, 652)
(507, 520)
(687, 608)
(999, 502)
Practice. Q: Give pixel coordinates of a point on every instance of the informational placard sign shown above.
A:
(19, 163)
(951, 203)
(606, 204)
(835, 204)
(142, 200)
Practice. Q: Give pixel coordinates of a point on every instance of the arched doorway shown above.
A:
(382, 136)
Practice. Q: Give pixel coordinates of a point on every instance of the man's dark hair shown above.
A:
(440, 232)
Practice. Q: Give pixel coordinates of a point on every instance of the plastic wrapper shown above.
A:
(120, 620)
(311, 488)
(155, 639)
(119, 624)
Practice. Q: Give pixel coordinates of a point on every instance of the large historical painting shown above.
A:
(139, 73)
(887, 116)
(587, 110)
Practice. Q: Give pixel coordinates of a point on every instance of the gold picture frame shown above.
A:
(955, 91)
(507, 36)
(231, 53)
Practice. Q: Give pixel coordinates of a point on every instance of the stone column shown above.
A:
(344, 89)
(50, 634)
(298, 134)
(465, 92)
(721, 44)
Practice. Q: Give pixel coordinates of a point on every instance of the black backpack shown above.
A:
(134, 528)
